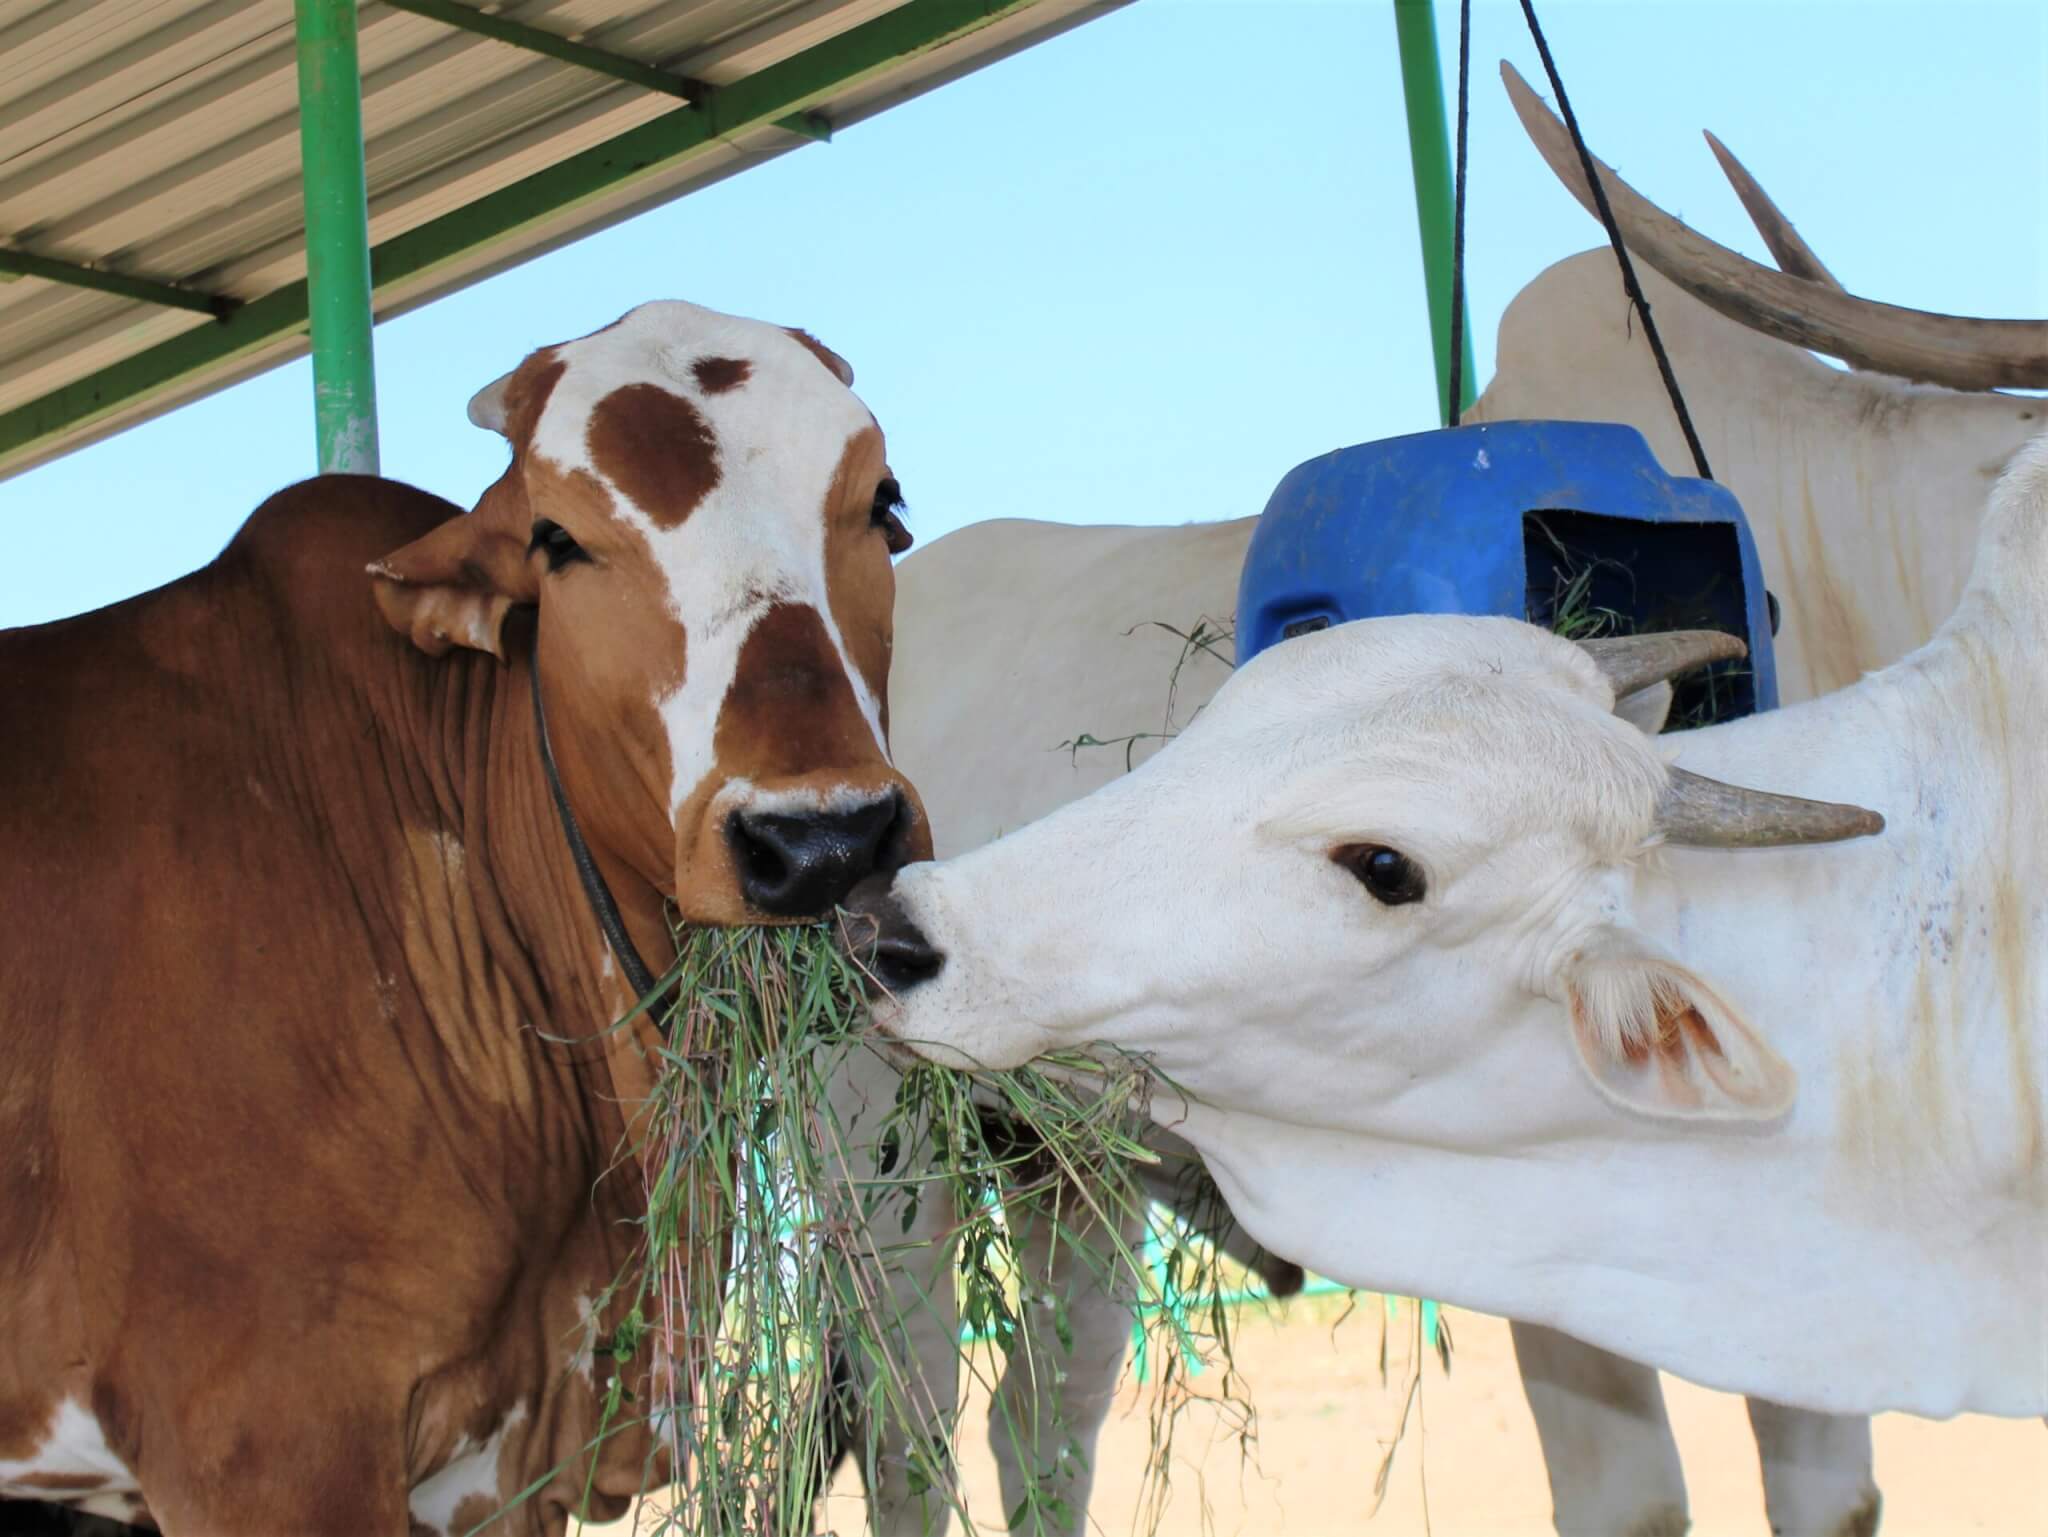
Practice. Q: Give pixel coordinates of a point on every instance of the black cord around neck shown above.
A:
(599, 895)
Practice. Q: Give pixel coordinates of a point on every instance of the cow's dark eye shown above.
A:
(888, 514)
(1390, 875)
(554, 541)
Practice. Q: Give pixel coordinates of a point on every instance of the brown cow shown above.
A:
(305, 1206)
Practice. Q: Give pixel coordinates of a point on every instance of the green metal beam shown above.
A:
(22, 264)
(792, 86)
(1429, 151)
(647, 76)
(337, 237)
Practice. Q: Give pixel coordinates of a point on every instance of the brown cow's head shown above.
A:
(701, 511)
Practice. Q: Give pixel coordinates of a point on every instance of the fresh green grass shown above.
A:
(759, 1255)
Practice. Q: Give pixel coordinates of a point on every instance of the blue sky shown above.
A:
(1136, 274)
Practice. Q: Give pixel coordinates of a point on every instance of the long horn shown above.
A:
(1788, 250)
(1632, 662)
(1703, 813)
(1959, 351)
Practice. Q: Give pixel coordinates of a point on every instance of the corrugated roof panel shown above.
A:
(159, 139)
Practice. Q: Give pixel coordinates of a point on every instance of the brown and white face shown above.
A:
(702, 512)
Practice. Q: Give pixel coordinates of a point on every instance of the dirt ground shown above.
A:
(1469, 1463)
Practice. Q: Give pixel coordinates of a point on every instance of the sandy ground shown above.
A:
(1469, 1463)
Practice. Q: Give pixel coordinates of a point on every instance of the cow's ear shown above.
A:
(454, 586)
(1656, 1038)
(490, 407)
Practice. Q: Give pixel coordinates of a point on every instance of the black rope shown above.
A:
(1454, 406)
(1628, 271)
(599, 895)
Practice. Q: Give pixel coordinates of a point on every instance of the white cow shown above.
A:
(1861, 490)
(1829, 465)
(1433, 939)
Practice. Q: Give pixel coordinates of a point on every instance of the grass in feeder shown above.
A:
(1571, 607)
(757, 1337)
(1573, 613)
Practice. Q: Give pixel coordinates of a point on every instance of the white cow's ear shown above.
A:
(1647, 708)
(1658, 1039)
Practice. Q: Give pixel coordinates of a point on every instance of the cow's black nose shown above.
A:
(886, 940)
(799, 864)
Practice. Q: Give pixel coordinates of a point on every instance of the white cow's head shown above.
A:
(1389, 857)
(699, 510)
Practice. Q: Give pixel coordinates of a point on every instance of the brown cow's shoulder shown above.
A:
(275, 1119)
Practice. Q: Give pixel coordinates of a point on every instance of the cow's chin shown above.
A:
(702, 907)
(921, 1027)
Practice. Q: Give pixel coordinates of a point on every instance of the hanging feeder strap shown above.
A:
(1453, 407)
(1628, 271)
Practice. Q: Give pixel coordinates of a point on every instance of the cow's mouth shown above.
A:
(894, 954)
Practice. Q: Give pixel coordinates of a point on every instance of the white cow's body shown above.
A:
(1412, 1066)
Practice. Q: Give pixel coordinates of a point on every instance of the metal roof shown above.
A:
(157, 141)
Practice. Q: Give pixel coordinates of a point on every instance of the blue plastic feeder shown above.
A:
(1514, 518)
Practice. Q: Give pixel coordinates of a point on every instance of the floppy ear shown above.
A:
(1656, 1038)
(454, 586)
(1647, 708)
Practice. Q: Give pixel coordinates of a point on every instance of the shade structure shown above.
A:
(155, 241)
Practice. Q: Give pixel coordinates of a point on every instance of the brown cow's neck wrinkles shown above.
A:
(517, 984)
(533, 918)
(288, 926)
(515, 991)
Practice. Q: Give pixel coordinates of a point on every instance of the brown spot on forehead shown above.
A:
(657, 449)
(717, 375)
(841, 369)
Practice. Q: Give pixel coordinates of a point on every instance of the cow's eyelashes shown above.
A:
(1390, 875)
(888, 514)
(555, 542)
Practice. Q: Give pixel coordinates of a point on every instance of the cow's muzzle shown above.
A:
(799, 864)
(882, 936)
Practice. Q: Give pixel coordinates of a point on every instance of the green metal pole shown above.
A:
(337, 237)
(1429, 151)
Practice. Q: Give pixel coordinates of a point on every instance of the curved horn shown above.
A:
(1958, 351)
(1701, 813)
(1788, 250)
(1632, 662)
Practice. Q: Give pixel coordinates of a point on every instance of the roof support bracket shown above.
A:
(24, 264)
(648, 77)
(810, 125)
